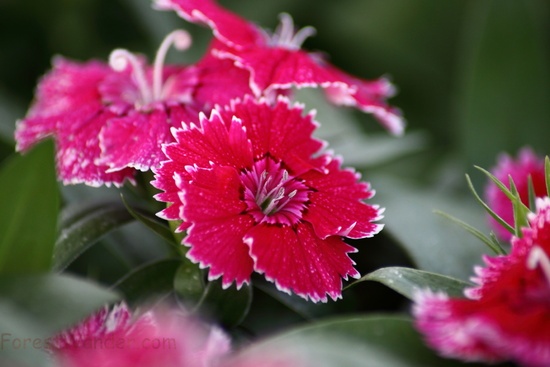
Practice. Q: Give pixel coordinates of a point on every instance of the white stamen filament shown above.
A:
(119, 60)
(181, 41)
(537, 257)
(285, 35)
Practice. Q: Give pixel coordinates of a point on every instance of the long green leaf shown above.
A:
(151, 222)
(495, 246)
(352, 341)
(490, 211)
(148, 281)
(35, 307)
(28, 212)
(229, 306)
(407, 281)
(94, 222)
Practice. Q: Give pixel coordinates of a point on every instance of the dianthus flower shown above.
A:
(255, 194)
(506, 316)
(277, 62)
(160, 337)
(109, 120)
(527, 164)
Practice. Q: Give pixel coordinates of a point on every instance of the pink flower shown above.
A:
(110, 120)
(160, 337)
(255, 194)
(507, 315)
(277, 62)
(527, 164)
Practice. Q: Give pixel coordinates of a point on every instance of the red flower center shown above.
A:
(272, 195)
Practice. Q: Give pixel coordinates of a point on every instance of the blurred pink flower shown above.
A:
(527, 164)
(507, 315)
(277, 62)
(109, 120)
(160, 337)
(255, 194)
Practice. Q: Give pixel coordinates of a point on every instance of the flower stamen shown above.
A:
(121, 58)
(274, 196)
(285, 35)
(538, 257)
(181, 40)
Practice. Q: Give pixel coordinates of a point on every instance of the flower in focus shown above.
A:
(507, 315)
(277, 62)
(255, 194)
(109, 120)
(527, 164)
(160, 337)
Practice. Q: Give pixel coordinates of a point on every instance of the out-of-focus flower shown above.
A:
(277, 62)
(110, 120)
(527, 164)
(160, 337)
(507, 315)
(255, 194)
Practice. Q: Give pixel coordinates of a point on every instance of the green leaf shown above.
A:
(407, 280)
(152, 222)
(432, 242)
(229, 306)
(92, 222)
(490, 211)
(35, 307)
(148, 281)
(520, 210)
(489, 241)
(188, 282)
(352, 341)
(28, 214)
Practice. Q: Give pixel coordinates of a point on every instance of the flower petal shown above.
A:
(219, 140)
(134, 141)
(228, 27)
(296, 260)
(281, 131)
(336, 207)
(213, 205)
(78, 148)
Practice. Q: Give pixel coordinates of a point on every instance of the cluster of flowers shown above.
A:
(233, 157)
(506, 315)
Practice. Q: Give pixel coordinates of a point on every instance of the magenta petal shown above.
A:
(336, 207)
(281, 68)
(220, 82)
(78, 148)
(228, 27)
(68, 86)
(296, 260)
(213, 206)
(281, 130)
(134, 141)
(217, 140)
